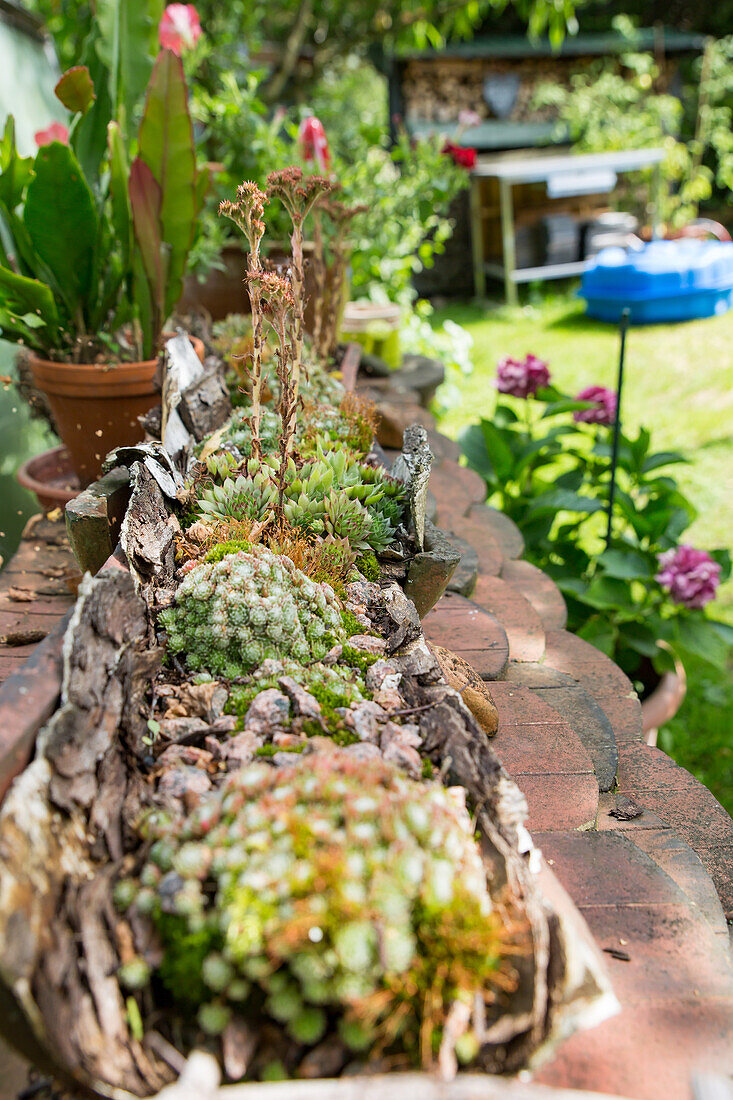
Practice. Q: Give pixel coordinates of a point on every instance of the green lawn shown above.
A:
(678, 384)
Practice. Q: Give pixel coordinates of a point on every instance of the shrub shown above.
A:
(545, 458)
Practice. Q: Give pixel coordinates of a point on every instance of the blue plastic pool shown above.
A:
(663, 281)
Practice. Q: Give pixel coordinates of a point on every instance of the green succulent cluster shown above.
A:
(240, 436)
(251, 495)
(342, 496)
(334, 495)
(221, 465)
(330, 894)
(332, 686)
(231, 615)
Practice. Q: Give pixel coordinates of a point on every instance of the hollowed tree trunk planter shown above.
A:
(64, 831)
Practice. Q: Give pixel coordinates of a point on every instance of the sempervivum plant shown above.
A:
(248, 496)
(333, 894)
(231, 615)
(347, 519)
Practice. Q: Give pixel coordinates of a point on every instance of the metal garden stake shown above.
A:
(623, 326)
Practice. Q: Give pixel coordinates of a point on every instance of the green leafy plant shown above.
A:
(251, 495)
(622, 104)
(93, 261)
(545, 458)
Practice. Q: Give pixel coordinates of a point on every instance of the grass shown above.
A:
(679, 385)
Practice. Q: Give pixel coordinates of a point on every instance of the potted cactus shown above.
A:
(97, 252)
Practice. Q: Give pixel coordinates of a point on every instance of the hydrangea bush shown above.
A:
(545, 458)
(231, 615)
(326, 893)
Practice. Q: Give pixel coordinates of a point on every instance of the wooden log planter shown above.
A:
(69, 827)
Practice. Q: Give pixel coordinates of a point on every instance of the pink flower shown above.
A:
(604, 411)
(314, 143)
(55, 132)
(689, 575)
(179, 28)
(467, 119)
(522, 377)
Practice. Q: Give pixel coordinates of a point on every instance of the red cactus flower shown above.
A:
(314, 143)
(179, 28)
(55, 132)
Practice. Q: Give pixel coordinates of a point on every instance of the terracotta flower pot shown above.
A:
(223, 291)
(663, 702)
(51, 477)
(96, 405)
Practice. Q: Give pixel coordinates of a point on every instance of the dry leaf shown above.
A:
(20, 595)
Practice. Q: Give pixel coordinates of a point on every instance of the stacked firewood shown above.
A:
(438, 89)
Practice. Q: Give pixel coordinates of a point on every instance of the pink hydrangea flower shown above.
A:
(689, 575)
(522, 377)
(55, 132)
(604, 411)
(179, 28)
(314, 143)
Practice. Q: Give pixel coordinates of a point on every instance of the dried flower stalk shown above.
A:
(275, 293)
(341, 216)
(320, 273)
(298, 194)
(248, 214)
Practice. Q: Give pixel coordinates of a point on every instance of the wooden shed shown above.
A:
(497, 78)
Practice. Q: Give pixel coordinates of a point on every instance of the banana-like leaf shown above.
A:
(119, 174)
(75, 89)
(27, 305)
(88, 135)
(125, 45)
(146, 204)
(15, 171)
(145, 313)
(167, 147)
(61, 220)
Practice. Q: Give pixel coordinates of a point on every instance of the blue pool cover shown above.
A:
(663, 281)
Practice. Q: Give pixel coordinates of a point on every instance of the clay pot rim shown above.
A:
(663, 703)
(26, 478)
(105, 368)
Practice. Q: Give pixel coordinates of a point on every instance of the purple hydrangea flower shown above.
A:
(689, 575)
(604, 411)
(522, 377)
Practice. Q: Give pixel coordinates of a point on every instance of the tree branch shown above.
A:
(293, 46)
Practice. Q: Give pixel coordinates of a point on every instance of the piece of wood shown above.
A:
(205, 404)
(94, 517)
